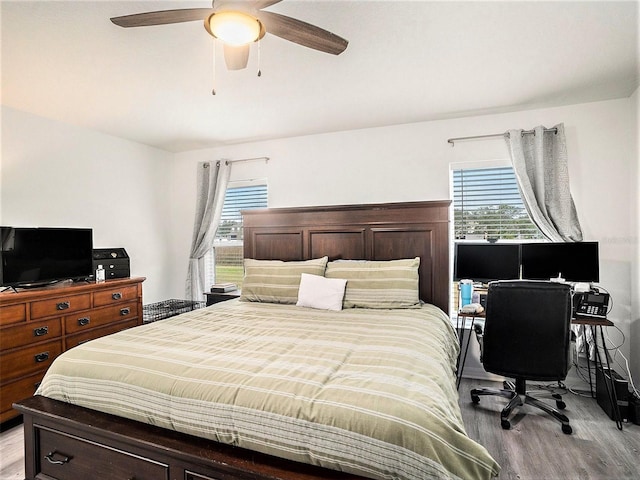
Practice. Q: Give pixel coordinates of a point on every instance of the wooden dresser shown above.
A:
(37, 325)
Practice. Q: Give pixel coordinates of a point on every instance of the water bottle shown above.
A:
(466, 292)
(99, 274)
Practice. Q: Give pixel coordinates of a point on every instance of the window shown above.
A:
(224, 263)
(487, 206)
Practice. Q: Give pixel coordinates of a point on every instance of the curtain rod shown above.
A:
(266, 160)
(505, 134)
(228, 162)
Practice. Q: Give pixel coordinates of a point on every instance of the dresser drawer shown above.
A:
(13, 314)
(67, 457)
(16, 391)
(25, 334)
(75, 340)
(113, 295)
(60, 305)
(27, 360)
(100, 317)
(196, 476)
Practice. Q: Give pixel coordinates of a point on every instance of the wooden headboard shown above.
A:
(358, 232)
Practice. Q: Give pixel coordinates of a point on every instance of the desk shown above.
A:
(461, 329)
(594, 323)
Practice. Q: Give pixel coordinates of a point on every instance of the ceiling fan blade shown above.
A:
(260, 4)
(246, 5)
(302, 33)
(162, 17)
(236, 58)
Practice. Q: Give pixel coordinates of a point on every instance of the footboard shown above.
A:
(66, 442)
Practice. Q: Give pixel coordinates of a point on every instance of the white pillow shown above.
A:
(320, 292)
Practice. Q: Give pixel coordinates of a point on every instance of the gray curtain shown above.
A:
(541, 168)
(213, 178)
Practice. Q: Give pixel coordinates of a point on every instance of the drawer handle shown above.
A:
(116, 296)
(125, 311)
(39, 332)
(49, 457)
(84, 321)
(41, 357)
(63, 305)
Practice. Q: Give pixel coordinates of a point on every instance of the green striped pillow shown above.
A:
(378, 284)
(275, 281)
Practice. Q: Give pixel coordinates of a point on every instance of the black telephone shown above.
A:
(592, 304)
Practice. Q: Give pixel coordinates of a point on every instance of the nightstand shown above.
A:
(221, 297)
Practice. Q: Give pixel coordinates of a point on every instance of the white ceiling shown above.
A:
(407, 61)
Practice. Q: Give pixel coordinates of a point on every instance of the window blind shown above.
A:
(224, 263)
(237, 199)
(487, 205)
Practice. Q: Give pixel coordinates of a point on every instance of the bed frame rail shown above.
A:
(90, 444)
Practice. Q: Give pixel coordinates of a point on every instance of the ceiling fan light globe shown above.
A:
(235, 28)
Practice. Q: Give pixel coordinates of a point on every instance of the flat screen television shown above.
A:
(573, 261)
(38, 256)
(486, 262)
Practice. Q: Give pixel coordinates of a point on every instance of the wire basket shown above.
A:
(168, 308)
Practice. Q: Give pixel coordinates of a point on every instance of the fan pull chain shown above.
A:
(259, 58)
(213, 89)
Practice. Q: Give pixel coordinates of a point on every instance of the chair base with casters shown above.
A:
(526, 336)
(518, 396)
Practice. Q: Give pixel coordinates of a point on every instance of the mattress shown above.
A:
(370, 392)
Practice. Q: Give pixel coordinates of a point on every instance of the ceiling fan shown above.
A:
(238, 24)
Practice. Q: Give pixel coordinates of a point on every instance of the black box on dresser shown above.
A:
(115, 262)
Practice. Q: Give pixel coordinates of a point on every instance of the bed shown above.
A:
(263, 388)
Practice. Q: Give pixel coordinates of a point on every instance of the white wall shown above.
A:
(56, 174)
(143, 199)
(412, 162)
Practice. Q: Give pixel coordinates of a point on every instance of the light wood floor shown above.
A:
(535, 447)
(12, 454)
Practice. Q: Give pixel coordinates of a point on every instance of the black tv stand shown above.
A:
(81, 280)
(41, 284)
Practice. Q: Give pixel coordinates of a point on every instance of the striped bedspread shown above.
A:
(371, 392)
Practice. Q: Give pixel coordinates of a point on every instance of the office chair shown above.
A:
(527, 334)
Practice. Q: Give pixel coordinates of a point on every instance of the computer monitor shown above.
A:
(573, 261)
(485, 262)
